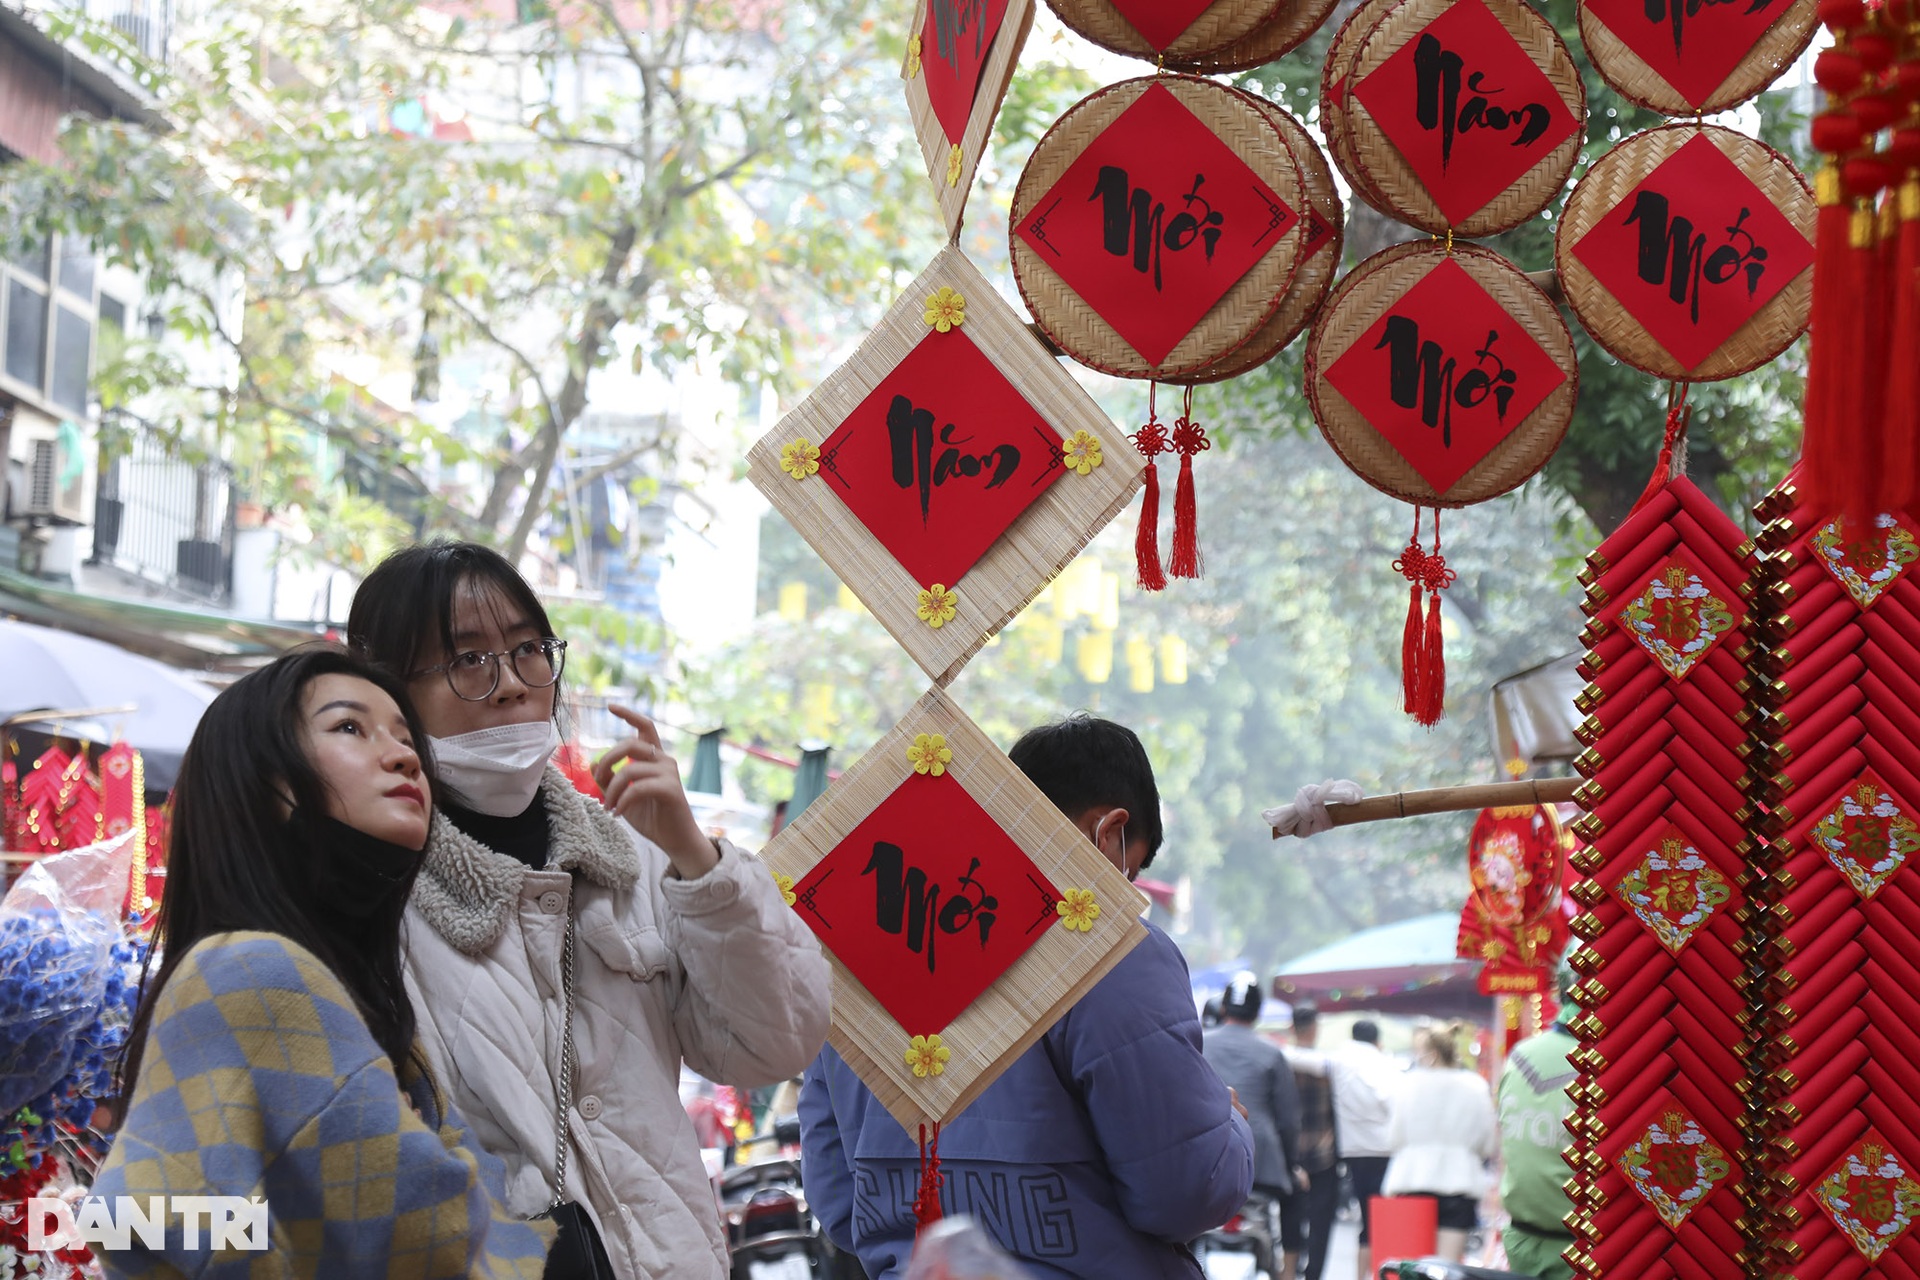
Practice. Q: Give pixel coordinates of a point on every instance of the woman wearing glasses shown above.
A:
(567, 955)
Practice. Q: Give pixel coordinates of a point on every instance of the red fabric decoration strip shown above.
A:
(1151, 440)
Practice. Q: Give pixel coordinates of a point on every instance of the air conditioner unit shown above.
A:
(59, 484)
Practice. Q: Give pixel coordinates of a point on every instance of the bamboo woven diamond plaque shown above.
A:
(963, 913)
(960, 60)
(948, 469)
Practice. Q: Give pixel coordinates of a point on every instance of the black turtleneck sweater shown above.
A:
(525, 835)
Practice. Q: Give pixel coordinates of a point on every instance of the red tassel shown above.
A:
(1189, 438)
(1150, 440)
(1903, 360)
(926, 1204)
(1412, 565)
(1841, 446)
(1678, 416)
(1433, 691)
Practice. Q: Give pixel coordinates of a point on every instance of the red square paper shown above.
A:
(1870, 1194)
(941, 457)
(953, 48)
(1692, 46)
(1161, 21)
(1445, 374)
(1866, 561)
(1679, 615)
(1467, 107)
(1868, 835)
(1154, 222)
(1694, 251)
(927, 902)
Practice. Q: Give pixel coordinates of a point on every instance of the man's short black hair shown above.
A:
(1367, 1032)
(1084, 762)
(1306, 1014)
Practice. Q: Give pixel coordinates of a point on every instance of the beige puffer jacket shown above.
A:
(717, 972)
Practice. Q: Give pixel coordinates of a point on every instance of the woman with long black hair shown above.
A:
(272, 1054)
(569, 955)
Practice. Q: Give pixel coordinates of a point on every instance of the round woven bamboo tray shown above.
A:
(1069, 322)
(1613, 177)
(1365, 295)
(1315, 277)
(1285, 30)
(1779, 48)
(1223, 24)
(1387, 171)
(1334, 76)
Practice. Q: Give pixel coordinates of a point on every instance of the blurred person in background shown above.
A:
(1257, 1071)
(1533, 1110)
(1306, 1216)
(1443, 1135)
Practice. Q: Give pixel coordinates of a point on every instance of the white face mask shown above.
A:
(495, 771)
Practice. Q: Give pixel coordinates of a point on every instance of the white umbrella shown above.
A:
(55, 682)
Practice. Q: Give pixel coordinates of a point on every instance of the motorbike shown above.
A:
(1441, 1269)
(1242, 1247)
(772, 1233)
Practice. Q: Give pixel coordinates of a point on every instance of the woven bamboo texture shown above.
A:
(1073, 325)
(1222, 24)
(1315, 277)
(1779, 48)
(1390, 176)
(1335, 75)
(995, 75)
(1013, 1013)
(1284, 31)
(1598, 196)
(1034, 548)
(1367, 293)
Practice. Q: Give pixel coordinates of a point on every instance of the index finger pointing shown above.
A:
(641, 725)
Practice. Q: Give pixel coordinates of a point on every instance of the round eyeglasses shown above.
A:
(474, 676)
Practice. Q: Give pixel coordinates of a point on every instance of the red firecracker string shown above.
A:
(1151, 440)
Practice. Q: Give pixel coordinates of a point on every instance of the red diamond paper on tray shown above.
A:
(1161, 22)
(1674, 890)
(941, 457)
(933, 458)
(1674, 1164)
(1154, 222)
(954, 43)
(960, 59)
(1445, 375)
(1871, 1195)
(962, 911)
(927, 902)
(1678, 616)
(1866, 566)
(1693, 47)
(1694, 251)
(1467, 107)
(1868, 835)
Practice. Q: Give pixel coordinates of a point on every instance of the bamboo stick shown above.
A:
(1492, 795)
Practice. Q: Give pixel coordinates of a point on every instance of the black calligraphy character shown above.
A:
(1133, 223)
(1731, 259)
(1439, 75)
(1421, 375)
(961, 908)
(911, 436)
(906, 903)
(1676, 13)
(953, 19)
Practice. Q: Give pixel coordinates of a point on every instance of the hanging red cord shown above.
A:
(926, 1204)
(1151, 440)
(1189, 438)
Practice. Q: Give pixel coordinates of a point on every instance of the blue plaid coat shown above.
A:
(261, 1079)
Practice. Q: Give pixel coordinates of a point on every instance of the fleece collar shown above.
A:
(467, 891)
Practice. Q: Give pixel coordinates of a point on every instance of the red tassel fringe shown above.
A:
(926, 1204)
(1189, 438)
(1423, 655)
(1410, 645)
(1433, 692)
(1151, 441)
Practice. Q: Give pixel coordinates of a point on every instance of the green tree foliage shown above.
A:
(677, 182)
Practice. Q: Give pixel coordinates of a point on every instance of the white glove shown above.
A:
(1307, 815)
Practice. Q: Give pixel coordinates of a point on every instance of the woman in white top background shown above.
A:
(1443, 1134)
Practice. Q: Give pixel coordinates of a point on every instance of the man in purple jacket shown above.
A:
(1102, 1149)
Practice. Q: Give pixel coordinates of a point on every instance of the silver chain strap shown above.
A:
(565, 1084)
